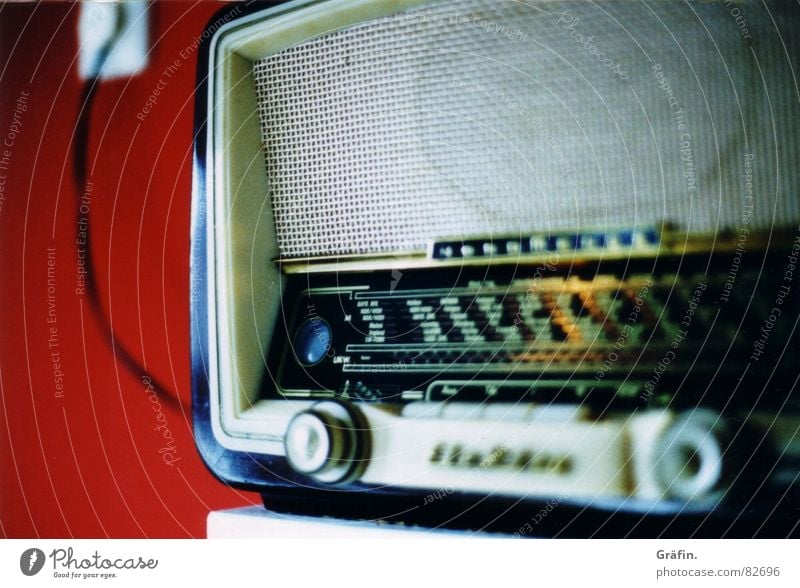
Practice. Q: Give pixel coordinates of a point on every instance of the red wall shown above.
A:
(88, 460)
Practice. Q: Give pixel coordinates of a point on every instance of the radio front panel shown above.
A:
(634, 337)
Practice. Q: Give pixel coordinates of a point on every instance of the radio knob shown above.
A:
(327, 442)
(692, 461)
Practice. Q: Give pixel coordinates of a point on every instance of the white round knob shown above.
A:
(308, 443)
(327, 442)
(691, 462)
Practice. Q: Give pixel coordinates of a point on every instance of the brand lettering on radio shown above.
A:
(457, 456)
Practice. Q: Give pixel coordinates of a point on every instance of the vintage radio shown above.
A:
(520, 267)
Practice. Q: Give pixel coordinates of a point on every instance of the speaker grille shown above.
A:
(475, 118)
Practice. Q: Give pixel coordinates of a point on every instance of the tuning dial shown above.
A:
(327, 442)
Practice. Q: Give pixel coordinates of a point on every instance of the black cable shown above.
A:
(80, 170)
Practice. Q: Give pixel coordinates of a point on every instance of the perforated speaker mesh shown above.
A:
(475, 118)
